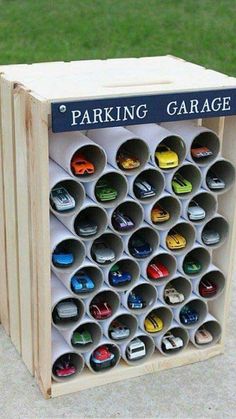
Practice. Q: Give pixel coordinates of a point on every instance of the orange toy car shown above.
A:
(81, 166)
(159, 214)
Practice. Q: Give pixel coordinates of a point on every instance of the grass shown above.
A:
(201, 31)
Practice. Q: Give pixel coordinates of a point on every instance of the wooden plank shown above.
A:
(8, 159)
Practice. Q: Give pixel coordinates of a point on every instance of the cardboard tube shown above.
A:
(198, 254)
(59, 294)
(130, 208)
(61, 239)
(190, 172)
(166, 259)
(181, 284)
(169, 203)
(144, 290)
(218, 224)
(196, 304)
(212, 325)
(176, 331)
(115, 179)
(105, 295)
(124, 317)
(92, 327)
(156, 135)
(112, 240)
(125, 264)
(206, 200)
(148, 234)
(63, 146)
(151, 175)
(149, 349)
(60, 349)
(162, 312)
(215, 275)
(223, 169)
(186, 230)
(59, 178)
(113, 349)
(116, 139)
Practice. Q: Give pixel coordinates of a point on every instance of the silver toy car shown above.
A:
(172, 296)
(214, 182)
(86, 227)
(136, 349)
(195, 212)
(118, 330)
(210, 236)
(61, 200)
(102, 253)
(170, 342)
(66, 310)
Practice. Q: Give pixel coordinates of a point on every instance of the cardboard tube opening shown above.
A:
(76, 362)
(106, 249)
(127, 321)
(182, 286)
(90, 222)
(133, 213)
(192, 175)
(87, 281)
(95, 155)
(215, 232)
(217, 285)
(111, 189)
(155, 179)
(148, 295)
(135, 148)
(149, 237)
(74, 251)
(130, 274)
(211, 326)
(138, 350)
(75, 190)
(196, 262)
(60, 317)
(111, 300)
(176, 144)
(166, 263)
(185, 239)
(206, 202)
(205, 139)
(160, 323)
(199, 307)
(172, 210)
(169, 346)
(225, 172)
(86, 336)
(113, 360)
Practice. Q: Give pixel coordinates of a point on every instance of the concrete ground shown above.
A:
(206, 389)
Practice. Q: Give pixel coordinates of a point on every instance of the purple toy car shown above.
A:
(122, 222)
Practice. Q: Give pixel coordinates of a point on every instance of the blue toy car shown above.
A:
(62, 259)
(82, 283)
(139, 248)
(136, 301)
(118, 277)
(188, 315)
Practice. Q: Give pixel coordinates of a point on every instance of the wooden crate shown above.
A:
(27, 92)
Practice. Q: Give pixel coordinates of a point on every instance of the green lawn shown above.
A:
(202, 31)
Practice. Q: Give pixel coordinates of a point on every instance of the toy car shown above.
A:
(153, 323)
(118, 277)
(159, 214)
(195, 212)
(86, 227)
(207, 288)
(62, 258)
(118, 330)
(122, 222)
(101, 310)
(180, 185)
(102, 358)
(65, 311)
(188, 316)
(166, 158)
(139, 248)
(82, 337)
(203, 336)
(214, 182)
(157, 270)
(171, 342)
(172, 296)
(102, 253)
(104, 192)
(210, 236)
(198, 151)
(81, 166)
(175, 241)
(64, 367)
(143, 189)
(191, 266)
(82, 283)
(136, 301)
(136, 349)
(127, 161)
(61, 200)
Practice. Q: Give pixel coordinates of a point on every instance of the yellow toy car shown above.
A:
(166, 158)
(153, 323)
(175, 241)
(159, 214)
(127, 161)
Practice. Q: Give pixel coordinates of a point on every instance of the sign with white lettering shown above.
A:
(120, 111)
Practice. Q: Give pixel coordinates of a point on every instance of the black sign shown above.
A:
(133, 110)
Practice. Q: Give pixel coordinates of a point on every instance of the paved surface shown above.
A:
(206, 389)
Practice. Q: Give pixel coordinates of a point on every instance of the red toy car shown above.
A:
(198, 151)
(101, 311)
(81, 166)
(207, 288)
(157, 270)
(64, 368)
(102, 358)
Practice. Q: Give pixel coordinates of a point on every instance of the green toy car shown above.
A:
(181, 185)
(82, 337)
(191, 266)
(105, 192)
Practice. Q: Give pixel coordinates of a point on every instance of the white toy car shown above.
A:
(172, 342)
(61, 200)
(172, 296)
(203, 336)
(136, 349)
(118, 330)
(195, 212)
